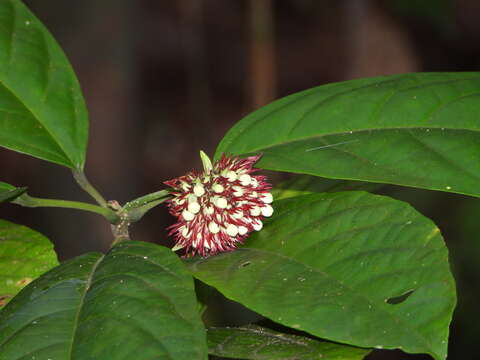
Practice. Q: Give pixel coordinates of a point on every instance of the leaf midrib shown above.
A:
(81, 303)
(350, 132)
(35, 116)
(33, 113)
(254, 121)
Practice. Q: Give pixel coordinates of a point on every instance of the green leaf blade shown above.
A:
(42, 110)
(97, 306)
(417, 130)
(24, 255)
(258, 343)
(330, 264)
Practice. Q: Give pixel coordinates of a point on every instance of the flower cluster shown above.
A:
(219, 207)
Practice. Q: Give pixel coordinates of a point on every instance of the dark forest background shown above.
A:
(164, 79)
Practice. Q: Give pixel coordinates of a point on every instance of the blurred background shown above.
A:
(164, 79)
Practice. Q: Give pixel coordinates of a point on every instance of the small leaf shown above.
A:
(24, 255)
(328, 264)
(9, 192)
(42, 111)
(258, 343)
(136, 302)
(419, 130)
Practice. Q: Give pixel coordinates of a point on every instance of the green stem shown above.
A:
(120, 232)
(29, 201)
(143, 200)
(137, 213)
(135, 209)
(82, 180)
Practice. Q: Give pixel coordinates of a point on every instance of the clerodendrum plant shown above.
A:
(353, 271)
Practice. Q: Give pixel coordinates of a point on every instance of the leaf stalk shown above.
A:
(82, 180)
(29, 201)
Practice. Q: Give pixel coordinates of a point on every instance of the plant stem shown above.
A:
(82, 180)
(143, 200)
(137, 213)
(29, 201)
(135, 209)
(120, 231)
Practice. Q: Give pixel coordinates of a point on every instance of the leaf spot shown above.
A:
(399, 299)
(24, 281)
(4, 299)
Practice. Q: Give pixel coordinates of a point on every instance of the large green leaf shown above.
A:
(9, 192)
(351, 267)
(24, 255)
(258, 343)
(136, 302)
(42, 111)
(418, 130)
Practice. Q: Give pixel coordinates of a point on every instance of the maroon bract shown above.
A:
(218, 208)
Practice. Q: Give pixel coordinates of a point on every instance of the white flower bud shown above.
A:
(232, 230)
(232, 176)
(194, 207)
(221, 202)
(242, 230)
(213, 227)
(245, 179)
(258, 225)
(238, 191)
(198, 190)
(267, 198)
(185, 233)
(267, 211)
(187, 215)
(218, 188)
(255, 211)
(208, 210)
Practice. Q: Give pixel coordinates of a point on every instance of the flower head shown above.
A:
(219, 207)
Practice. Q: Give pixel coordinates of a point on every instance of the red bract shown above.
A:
(219, 207)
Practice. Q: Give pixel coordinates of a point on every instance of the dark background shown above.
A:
(164, 79)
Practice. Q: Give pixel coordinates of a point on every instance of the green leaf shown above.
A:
(42, 111)
(24, 255)
(350, 267)
(9, 192)
(136, 302)
(419, 130)
(258, 343)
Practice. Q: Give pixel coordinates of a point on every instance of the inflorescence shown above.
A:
(219, 207)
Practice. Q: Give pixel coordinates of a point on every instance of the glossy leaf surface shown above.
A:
(24, 255)
(419, 130)
(42, 111)
(350, 267)
(9, 192)
(136, 302)
(257, 343)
